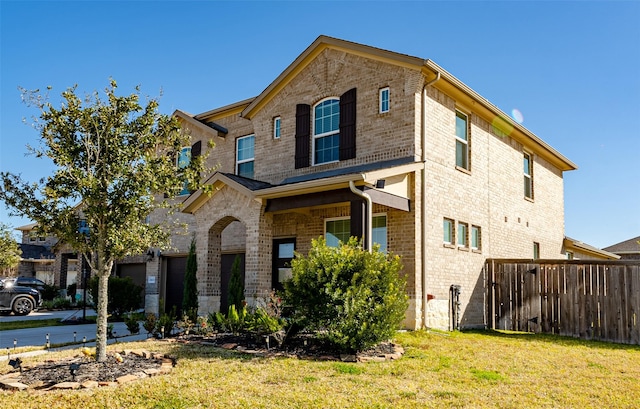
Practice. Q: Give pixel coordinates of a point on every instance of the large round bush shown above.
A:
(353, 298)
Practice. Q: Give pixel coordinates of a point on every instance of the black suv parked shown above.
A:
(17, 298)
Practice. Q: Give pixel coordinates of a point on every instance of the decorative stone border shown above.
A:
(12, 380)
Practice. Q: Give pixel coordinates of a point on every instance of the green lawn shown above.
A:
(438, 370)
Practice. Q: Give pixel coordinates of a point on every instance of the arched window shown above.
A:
(326, 131)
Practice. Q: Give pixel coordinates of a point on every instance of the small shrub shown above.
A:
(131, 321)
(185, 325)
(236, 286)
(124, 295)
(353, 298)
(262, 323)
(150, 322)
(71, 290)
(166, 322)
(58, 303)
(234, 322)
(49, 292)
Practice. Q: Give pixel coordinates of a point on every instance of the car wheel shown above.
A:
(22, 306)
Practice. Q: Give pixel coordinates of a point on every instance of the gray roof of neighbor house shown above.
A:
(625, 247)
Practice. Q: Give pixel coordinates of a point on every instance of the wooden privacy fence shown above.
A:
(589, 299)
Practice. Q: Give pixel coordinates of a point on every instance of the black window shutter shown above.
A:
(303, 135)
(348, 125)
(196, 149)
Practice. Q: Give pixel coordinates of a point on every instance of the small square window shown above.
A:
(384, 100)
(463, 238)
(447, 227)
(476, 238)
(276, 127)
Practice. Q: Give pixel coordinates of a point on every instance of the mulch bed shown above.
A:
(137, 364)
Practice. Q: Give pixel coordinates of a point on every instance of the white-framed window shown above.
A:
(476, 238)
(338, 229)
(326, 131)
(462, 140)
(245, 156)
(536, 250)
(384, 100)
(277, 121)
(447, 229)
(569, 254)
(528, 175)
(183, 160)
(463, 235)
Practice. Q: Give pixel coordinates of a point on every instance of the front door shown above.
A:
(282, 256)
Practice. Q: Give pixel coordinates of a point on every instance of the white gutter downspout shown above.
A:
(367, 198)
(423, 208)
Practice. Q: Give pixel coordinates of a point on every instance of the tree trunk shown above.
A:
(101, 322)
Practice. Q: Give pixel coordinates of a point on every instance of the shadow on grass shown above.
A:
(551, 338)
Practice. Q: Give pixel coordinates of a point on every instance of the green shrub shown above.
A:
(49, 292)
(262, 323)
(131, 321)
(236, 286)
(150, 322)
(353, 298)
(234, 321)
(71, 291)
(58, 303)
(166, 321)
(124, 295)
(190, 293)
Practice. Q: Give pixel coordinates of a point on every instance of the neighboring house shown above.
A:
(577, 250)
(352, 140)
(37, 259)
(627, 250)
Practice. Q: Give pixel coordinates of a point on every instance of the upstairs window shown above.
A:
(276, 127)
(245, 156)
(326, 131)
(384, 100)
(462, 140)
(536, 250)
(528, 176)
(184, 159)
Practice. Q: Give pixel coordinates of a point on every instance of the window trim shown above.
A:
(243, 161)
(528, 177)
(381, 100)
(466, 143)
(277, 127)
(464, 237)
(315, 137)
(478, 246)
(452, 232)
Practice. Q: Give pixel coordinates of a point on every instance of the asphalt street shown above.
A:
(59, 334)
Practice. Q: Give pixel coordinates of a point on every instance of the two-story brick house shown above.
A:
(352, 140)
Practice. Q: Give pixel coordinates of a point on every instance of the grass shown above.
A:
(463, 370)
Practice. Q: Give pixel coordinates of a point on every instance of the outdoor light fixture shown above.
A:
(16, 364)
(162, 331)
(15, 344)
(73, 369)
(150, 255)
(48, 345)
(84, 340)
(74, 337)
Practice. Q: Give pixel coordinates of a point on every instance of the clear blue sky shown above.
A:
(571, 68)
